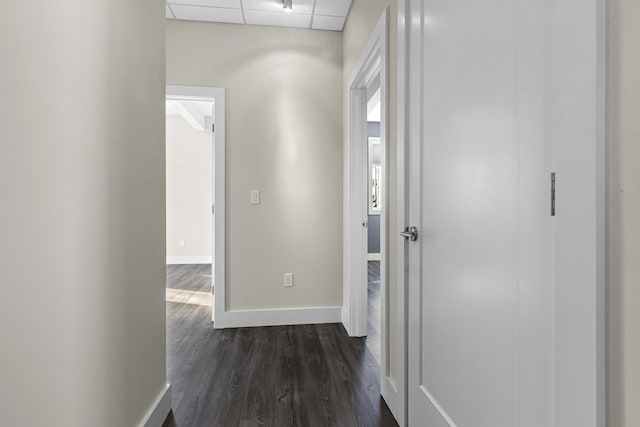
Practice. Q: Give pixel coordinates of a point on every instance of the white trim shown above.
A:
(159, 410)
(346, 319)
(219, 239)
(402, 211)
(218, 235)
(357, 213)
(356, 195)
(389, 392)
(279, 317)
(179, 260)
(602, 115)
(373, 257)
(373, 64)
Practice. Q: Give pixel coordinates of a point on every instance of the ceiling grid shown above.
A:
(314, 14)
(244, 19)
(315, 3)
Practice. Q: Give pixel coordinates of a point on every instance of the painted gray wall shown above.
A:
(83, 220)
(189, 171)
(374, 129)
(374, 220)
(284, 127)
(624, 211)
(374, 234)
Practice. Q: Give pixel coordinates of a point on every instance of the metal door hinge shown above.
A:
(213, 209)
(213, 128)
(553, 194)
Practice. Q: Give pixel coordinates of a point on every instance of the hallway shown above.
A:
(311, 375)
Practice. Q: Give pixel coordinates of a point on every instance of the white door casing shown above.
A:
(218, 217)
(371, 68)
(505, 302)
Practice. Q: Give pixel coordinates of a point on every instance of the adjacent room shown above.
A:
(189, 158)
(374, 187)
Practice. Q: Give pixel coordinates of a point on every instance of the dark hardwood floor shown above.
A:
(311, 375)
(373, 312)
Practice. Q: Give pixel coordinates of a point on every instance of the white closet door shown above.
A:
(492, 290)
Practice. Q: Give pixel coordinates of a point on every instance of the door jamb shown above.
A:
(373, 61)
(402, 211)
(218, 244)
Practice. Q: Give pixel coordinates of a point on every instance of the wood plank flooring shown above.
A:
(195, 277)
(311, 375)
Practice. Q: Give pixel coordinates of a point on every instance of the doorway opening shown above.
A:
(374, 183)
(195, 156)
(366, 204)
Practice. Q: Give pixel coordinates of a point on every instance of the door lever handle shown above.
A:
(410, 233)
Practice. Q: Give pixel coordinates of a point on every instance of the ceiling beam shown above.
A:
(191, 114)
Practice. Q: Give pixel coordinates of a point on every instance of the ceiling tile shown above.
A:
(209, 14)
(332, 7)
(168, 12)
(280, 19)
(299, 6)
(329, 14)
(230, 4)
(333, 23)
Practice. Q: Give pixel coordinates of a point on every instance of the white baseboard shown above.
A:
(389, 393)
(278, 317)
(157, 413)
(174, 260)
(374, 257)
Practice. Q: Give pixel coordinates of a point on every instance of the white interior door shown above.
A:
(503, 93)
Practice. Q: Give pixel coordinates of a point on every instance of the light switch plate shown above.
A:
(288, 280)
(255, 197)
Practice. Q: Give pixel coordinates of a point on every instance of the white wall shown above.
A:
(624, 214)
(82, 318)
(189, 169)
(284, 138)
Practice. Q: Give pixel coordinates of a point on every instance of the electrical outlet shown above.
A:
(288, 280)
(181, 243)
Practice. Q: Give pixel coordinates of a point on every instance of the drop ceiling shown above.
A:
(315, 14)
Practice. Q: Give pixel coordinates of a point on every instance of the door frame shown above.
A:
(402, 161)
(218, 138)
(373, 62)
(408, 116)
